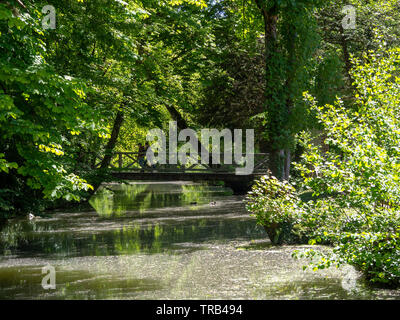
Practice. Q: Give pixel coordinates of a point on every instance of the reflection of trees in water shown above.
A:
(15, 233)
(114, 202)
(11, 234)
(134, 238)
(103, 202)
(164, 237)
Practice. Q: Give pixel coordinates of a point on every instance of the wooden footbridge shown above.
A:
(125, 165)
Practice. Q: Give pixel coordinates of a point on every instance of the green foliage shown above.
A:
(276, 207)
(60, 90)
(272, 201)
(353, 178)
(376, 255)
(227, 87)
(361, 163)
(358, 173)
(328, 77)
(40, 112)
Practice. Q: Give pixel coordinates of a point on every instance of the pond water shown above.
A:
(162, 241)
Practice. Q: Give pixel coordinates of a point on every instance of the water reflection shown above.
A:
(139, 218)
(161, 241)
(117, 200)
(126, 237)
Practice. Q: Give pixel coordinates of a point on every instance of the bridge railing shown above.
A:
(128, 161)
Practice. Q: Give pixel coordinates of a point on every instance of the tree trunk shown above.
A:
(346, 55)
(180, 121)
(105, 163)
(289, 103)
(288, 160)
(119, 119)
(182, 124)
(270, 18)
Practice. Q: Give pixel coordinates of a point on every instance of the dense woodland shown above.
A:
(323, 100)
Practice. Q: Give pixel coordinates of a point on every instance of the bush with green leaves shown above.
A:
(358, 174)
(375, 254)
(276, 206)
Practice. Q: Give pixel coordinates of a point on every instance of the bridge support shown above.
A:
(240, 187)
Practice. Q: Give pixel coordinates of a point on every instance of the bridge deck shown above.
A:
(125, 166)
(239, 184)
(184, 176)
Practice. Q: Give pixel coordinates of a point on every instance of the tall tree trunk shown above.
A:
(288, 160)
(175, 114)
(105, 163)
(182, 124)
(119, 119)
(270, 17)
(346, 55)
(291, 71)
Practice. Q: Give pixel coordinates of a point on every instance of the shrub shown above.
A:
(359, 173)
(276, 207)
(355, 182)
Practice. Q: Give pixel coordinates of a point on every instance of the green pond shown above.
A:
(157, 240)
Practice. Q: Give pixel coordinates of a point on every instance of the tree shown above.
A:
(40, 112)
(65, 91)
(289, 43)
